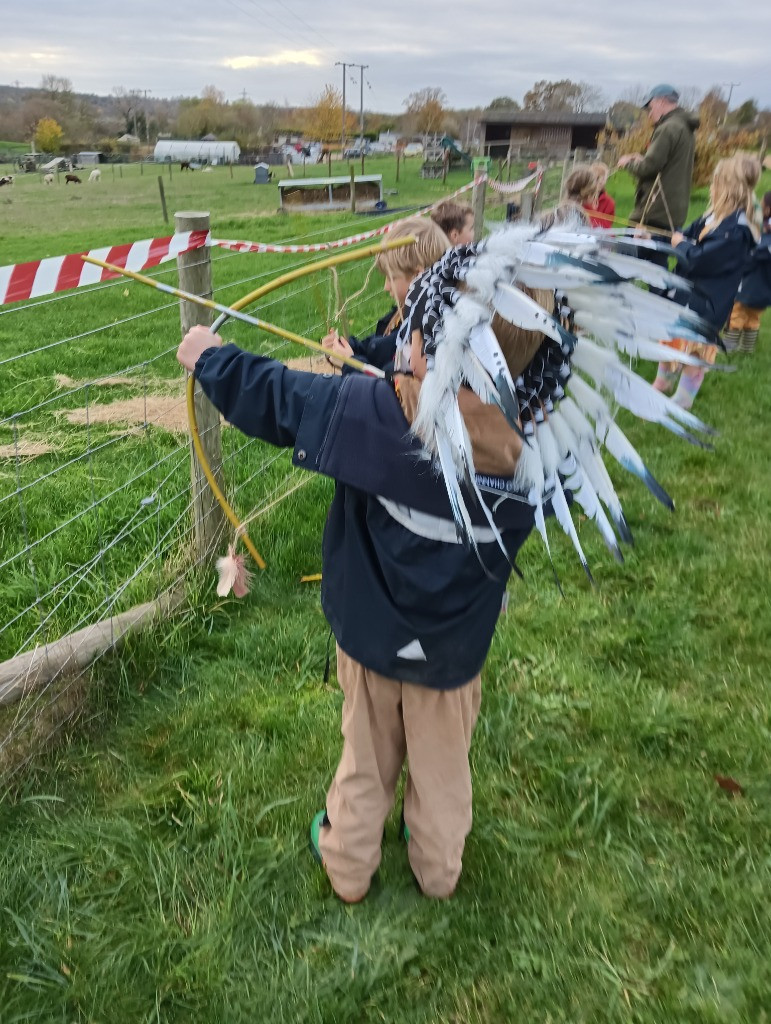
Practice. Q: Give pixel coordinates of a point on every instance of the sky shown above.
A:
(285, 51)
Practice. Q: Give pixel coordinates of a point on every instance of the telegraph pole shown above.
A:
(361, 68)
(338, 64)
(730, 86)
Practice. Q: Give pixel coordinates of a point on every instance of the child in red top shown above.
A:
(603, 209)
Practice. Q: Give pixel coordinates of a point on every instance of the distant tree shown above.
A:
(622, 114)
(745, 114)
(48, 135)
(323, 120)
(564, 95)
(713, 108)
(127, 102)
(425, 110)
(56, 87)
(503, 103)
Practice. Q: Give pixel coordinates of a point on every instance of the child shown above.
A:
(456, 220)
(754, 291)
(603, 210)
(399, 267)
(581, 188)
(413, 611)
(712, 254)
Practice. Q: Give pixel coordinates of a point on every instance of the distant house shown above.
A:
(171, 150)
(209, 138)
(128, 139)
(539, 132)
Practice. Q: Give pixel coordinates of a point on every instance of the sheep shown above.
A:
(71, 177)
(6, 179)
(49, 178)
(95, 175)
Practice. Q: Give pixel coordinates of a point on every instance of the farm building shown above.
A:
(90, 157)
(169, 150)
(539, 132)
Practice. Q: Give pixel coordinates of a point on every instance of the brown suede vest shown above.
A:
(496, 447)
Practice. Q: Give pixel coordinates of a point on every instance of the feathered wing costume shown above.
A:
(484, 311)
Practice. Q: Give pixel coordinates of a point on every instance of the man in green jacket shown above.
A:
(664, 172)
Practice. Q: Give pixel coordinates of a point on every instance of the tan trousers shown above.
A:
(385, 721)
(744, 318)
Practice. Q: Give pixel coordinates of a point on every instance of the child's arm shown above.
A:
(259, 396)
(718, 252)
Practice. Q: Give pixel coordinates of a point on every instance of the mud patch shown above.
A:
(311, 364)
(165, 411)
(25, 450)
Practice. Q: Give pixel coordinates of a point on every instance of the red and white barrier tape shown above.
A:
(58, 273)
(32, 280)
(512, 186)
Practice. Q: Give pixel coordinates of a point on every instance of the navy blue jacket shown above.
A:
(714, 265)
(411, 608)
(379, 348)
(755, 289)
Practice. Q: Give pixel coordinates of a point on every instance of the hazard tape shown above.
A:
(512, 186)
(21, 281)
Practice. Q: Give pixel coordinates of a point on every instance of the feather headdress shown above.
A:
(535, 323)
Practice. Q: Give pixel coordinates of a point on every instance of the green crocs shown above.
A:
(404, 832)
(320, 821)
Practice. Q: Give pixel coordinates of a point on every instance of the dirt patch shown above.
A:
(312, 364)
(164, 411)
(63, 381)
(25, 450)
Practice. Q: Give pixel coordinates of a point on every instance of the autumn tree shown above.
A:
(323, 121)
(425, 110)
(48, 135)
(713, 108)
(572, 97)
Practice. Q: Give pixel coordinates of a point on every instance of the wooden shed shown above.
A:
(539, 132)
(307, 194)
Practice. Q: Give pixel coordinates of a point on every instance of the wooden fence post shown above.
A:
(353, 188)
(195, 276)
(478, 205)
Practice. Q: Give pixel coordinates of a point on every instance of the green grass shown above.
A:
(155, 867)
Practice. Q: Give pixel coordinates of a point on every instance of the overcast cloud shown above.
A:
(285, 52)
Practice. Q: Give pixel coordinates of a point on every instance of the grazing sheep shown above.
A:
(71, 178)
(95, 175)
(49, 179)
(7, 179)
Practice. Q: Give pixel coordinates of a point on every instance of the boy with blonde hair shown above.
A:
(399, 267)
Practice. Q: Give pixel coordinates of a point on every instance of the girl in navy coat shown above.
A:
(754, 291)
(712, 253)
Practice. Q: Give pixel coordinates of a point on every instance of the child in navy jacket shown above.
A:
(399, 267)
(754, 291)
(412, 609)
(712, 253)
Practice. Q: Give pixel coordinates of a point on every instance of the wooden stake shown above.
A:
(195, 277)
(163, 200)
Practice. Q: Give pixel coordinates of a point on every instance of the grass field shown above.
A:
(154, 868)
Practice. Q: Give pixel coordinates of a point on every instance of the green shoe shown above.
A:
(320, 821)
(404, 832)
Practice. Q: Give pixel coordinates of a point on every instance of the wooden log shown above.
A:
(36, 669)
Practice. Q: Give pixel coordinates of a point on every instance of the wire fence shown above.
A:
(95, 481)
(97, 534)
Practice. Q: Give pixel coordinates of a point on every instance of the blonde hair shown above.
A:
(601, 172)
(581, 185)
(749, 168)
(431, 243)
(729, 192)
(451, 216)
